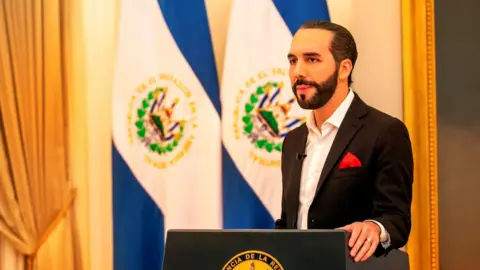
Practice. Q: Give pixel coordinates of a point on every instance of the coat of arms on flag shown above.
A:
(263, 115)
(162, 116)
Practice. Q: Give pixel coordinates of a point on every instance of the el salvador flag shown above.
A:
(166, 129)
(258, 106)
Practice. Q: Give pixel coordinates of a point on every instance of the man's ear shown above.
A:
(345, 68)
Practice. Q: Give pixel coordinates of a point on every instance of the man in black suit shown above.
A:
(349, 166)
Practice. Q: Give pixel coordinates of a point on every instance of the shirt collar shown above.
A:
(338, 115)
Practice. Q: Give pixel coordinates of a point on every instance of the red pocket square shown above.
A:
(350, 161)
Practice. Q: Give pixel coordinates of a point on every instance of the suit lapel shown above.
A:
(296, 172)
(349, 127)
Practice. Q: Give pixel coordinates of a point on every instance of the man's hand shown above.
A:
(364, 239)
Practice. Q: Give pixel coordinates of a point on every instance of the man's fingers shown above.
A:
(367, 245)
(346, 228)
(355, 232)
(370, 252)
(359, 235)
(363, 240)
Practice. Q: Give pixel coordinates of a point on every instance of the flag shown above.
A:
(258, 106)
(166, 129)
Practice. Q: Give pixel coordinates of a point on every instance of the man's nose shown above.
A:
(299, 71)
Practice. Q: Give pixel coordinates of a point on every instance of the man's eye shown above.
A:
(312, 60)
(292, 61)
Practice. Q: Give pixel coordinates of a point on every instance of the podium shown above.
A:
(269, 250)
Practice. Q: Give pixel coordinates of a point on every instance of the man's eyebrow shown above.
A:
(310, 54)
(307, 54)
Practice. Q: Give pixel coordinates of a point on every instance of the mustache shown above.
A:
(304, 82)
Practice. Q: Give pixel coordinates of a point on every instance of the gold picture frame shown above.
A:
(419, 92)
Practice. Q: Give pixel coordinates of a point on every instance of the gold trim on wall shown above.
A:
(419, 88)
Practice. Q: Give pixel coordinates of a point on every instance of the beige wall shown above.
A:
(93, 60)
(374, 23)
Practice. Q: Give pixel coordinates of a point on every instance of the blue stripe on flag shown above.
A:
(295, 13)
(188, 24)
(190, 29)
(242, 209)
(138, 234)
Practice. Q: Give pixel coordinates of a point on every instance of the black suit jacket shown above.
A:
(381, 189)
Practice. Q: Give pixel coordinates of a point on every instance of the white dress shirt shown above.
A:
(318, 146)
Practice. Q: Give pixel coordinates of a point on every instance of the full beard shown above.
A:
(323, 92)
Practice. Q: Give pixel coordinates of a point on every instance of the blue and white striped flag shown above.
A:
(166, 129)
(258, 106)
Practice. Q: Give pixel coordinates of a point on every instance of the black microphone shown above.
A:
(301, 156)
